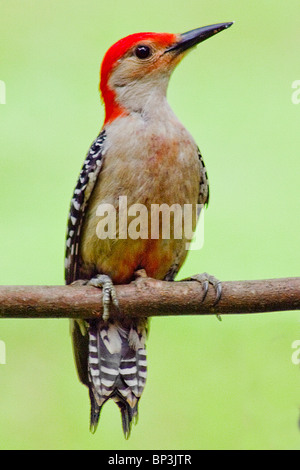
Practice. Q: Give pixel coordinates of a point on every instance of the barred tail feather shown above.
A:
(127, 414)
(117, 368)
(95, 413)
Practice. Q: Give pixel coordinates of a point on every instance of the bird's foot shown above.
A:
(205, 279)
(109, 293)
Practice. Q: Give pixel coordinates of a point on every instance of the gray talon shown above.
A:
(218, 289)
(206, 279)
(205, 285)
(109, 293)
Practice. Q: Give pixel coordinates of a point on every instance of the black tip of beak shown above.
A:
(194, 37)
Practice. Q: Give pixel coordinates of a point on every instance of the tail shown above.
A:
(117, 368)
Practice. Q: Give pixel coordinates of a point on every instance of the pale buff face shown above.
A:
(136, 80)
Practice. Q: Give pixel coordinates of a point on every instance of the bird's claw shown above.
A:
(206, 279)
(109, 293)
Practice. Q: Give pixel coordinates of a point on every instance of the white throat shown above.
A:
(146, 96)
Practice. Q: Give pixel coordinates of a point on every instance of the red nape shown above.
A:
(114, 53)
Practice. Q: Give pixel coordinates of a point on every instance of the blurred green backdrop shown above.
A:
(211, 385)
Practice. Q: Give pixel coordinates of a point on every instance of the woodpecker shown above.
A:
(142, 152)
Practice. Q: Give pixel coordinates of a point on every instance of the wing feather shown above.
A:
(204, 185)
(83, 190)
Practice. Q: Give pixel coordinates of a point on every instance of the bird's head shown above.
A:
(139, 66)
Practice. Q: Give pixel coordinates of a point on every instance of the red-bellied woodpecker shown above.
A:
(145, 154)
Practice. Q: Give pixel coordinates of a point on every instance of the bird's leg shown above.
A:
(205, 279)
(109, 293)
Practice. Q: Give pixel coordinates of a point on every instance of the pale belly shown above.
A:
(166, 171)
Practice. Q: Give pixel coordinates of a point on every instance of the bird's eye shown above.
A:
(143, 52)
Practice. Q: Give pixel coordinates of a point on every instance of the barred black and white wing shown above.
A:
(110, 357)
(83, 190)
(203, 197)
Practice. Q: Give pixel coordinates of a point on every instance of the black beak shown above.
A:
(194, 37)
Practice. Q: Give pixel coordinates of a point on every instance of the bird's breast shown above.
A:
(149, 165)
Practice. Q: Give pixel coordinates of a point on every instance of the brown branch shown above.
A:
(147, 297)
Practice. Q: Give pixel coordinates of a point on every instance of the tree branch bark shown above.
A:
(147, 297)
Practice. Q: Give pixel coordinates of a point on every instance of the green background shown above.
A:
(211, 385)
